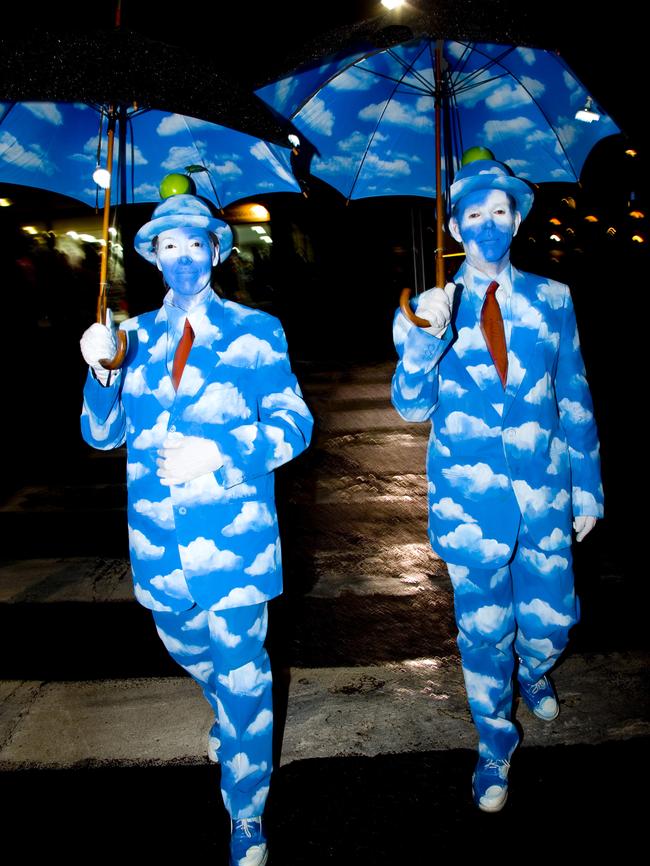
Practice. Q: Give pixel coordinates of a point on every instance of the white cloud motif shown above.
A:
(555, 540)
(478, 688)
(469, 537)
(460, 425)
(142, 547)
(469, 339)
(482, 373)
(541, 390)
(575, 411)
(219, 631)
(262, 722)
(241, 596)
(282, 451)
(161, 513)
(538, 501)
(240, 766)
(134, 381)
(553, 293)
(585, 502)
(447, 509)
(191, 381)
(201, 670)
(150, 438)
(264, 561)
(527, 437)
(448, 386)
(45, 111)
(474, 477)
(202, 556)
(544, 612)
(134, 471)
(543, 564)
(174, 645)
(317, 117)
(226, 727)
(498, 129)
(398, 113)
(246, 680)
(353, 79)
(252, 517)
(486, 619)
(173, 584)
(248, 351)
(219, 403)
(147, 600)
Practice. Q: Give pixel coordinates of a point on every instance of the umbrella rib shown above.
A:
(202, 161)
(374, 132)
(548, 120)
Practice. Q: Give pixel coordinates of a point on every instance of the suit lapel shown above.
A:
(156, 373)
(469, 351)
(527, 319)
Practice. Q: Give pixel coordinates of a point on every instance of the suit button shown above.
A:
(172, 429)
(182, 510)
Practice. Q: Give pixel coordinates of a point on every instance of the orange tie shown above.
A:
(493, 332)
(182, 351)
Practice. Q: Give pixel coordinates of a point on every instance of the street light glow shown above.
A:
(102, 177)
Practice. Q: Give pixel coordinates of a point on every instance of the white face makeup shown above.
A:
(485, 224)
(186, 257)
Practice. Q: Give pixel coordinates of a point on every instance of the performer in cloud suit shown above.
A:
(512, 459)
(203, 438)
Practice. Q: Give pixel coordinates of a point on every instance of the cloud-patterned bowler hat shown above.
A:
(490, 174)
(182, 211)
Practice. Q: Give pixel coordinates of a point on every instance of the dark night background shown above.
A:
(334, 279)
(208, 60)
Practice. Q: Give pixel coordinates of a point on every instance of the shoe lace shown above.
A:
(246, 825)
(536, 687)
(497, 763)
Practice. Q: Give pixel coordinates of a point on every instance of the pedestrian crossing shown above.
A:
(362, 642)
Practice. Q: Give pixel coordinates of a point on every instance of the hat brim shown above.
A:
(514, 186)
(144, 237)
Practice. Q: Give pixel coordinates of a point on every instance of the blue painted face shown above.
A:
(485, 225)
(186, 257)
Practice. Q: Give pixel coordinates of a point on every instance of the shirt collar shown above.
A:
(176, 315)
(477, 282)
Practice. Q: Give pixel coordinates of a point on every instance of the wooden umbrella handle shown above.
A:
(117, 360)
(405, 307)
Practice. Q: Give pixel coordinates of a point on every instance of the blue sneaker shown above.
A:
(248, 843)
(214, 743)
(490, 784)
(540, 698)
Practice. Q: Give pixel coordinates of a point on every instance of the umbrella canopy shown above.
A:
(371, 114)
(57, 146)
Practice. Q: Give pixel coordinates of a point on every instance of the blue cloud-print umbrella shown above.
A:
(371, 116)
(57, 146)
(396, 121)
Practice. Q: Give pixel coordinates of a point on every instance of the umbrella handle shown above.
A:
(116, 362)
(405, 307)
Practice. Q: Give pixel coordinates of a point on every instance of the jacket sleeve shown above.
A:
(414, 389)
(577, 419)
(283, 426)
(103, 422)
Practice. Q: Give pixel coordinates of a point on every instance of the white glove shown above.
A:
(183, 458)
(435, 306)
(98, 341)
(583, 525)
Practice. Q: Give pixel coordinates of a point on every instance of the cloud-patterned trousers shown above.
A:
(224, 652)
(523, 611)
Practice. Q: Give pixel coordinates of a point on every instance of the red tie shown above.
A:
(493, 332)
(182, 351)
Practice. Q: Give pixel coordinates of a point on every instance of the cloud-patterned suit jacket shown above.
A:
(213, 540)
(493, 455)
